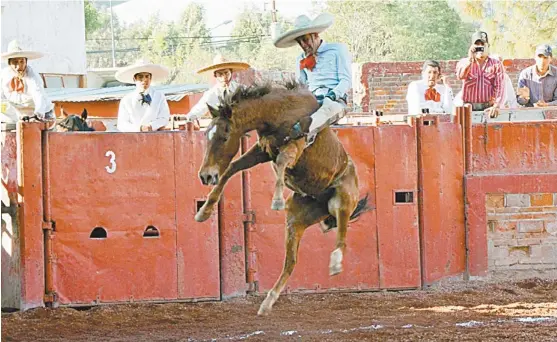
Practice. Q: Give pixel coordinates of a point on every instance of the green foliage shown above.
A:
(514, 27)
(398, 30)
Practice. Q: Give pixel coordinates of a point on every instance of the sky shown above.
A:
(216, 11)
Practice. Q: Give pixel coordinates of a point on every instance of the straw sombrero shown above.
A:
(220, 63)
(15, 51)
(304, 25)
(158, 72)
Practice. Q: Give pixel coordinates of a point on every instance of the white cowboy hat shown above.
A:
(15, 51)
(220, 63)
(126, 74)
(302, 26)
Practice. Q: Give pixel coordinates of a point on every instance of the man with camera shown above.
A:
(482, 77)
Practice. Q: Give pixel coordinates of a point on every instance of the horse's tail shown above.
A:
(362, 207)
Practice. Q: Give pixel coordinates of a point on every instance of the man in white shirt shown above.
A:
(426, 95)
(22, 87)
(222, 71)
(144, 109)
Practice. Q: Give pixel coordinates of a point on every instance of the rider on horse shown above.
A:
(22, 87)
(324, 67)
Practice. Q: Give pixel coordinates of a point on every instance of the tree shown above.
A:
(251, 41)
(398, 30)
(94, 19)
(514, 27)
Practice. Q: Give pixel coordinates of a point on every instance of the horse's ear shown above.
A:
(214, 112)
(227, 112)
(84, 114)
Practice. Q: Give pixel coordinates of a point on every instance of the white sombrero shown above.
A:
(126, 74)
(15, 51)
(302, 26)
(220, 63)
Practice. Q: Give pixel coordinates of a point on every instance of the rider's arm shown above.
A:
(301, 75)
(344, 71)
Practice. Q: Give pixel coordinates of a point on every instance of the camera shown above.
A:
(479, 49)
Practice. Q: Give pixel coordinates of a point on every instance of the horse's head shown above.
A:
(223, 142)
(73, 123)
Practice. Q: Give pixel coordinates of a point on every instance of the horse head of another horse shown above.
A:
(74, 123)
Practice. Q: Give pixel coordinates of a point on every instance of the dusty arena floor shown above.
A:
(521, 311)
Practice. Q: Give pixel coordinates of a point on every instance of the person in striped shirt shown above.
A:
(482, 77)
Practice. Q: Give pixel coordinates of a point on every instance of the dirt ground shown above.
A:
(475, 311)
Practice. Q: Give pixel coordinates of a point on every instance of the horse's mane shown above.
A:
(251, 92)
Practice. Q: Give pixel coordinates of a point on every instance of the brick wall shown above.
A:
(522, 232)
(382, 86)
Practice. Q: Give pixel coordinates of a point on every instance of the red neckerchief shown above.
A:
(432, 95)
(308, 63)
(16, 84)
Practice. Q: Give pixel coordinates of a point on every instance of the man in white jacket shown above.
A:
(222, 71)
(22, 87)
(426, 95)
(144, 109)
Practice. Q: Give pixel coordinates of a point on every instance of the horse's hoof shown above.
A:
(263, 310)
(278, 205)
(202, 215)
(335, 266)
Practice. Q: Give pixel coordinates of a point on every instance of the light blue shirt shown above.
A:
(332, 71)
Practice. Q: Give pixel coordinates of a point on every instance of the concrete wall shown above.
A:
(56, 28)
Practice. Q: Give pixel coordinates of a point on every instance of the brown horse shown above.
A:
(322, 176)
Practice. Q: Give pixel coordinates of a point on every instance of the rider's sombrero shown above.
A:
(220, 63)
(158, 72)
(302, 26)
(15, 51)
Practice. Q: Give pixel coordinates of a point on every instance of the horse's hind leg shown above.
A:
(301, 213)
(287, 157)
(341, 205)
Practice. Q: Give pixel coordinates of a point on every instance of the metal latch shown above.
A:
(249, 217)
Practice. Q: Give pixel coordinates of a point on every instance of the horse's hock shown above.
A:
(91, 218)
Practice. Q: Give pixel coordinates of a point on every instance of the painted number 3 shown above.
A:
(112, 161)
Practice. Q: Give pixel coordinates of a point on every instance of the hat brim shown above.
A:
(319, 24)
(126, 74)
(22, 54)
(236, 66)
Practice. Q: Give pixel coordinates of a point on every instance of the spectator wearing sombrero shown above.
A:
(324, 67)
(222, 70)
(144, 109)
(22, 87)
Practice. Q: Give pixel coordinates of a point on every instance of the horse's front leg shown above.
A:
(288, 156)
(254, 156)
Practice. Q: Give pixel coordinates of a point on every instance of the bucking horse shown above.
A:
(322, 176)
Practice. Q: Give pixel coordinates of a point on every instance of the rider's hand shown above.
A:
(331, 94)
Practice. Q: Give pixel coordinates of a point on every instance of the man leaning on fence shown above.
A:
(144, 109)
(23, 94)
(537, 84)
(482, 77)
